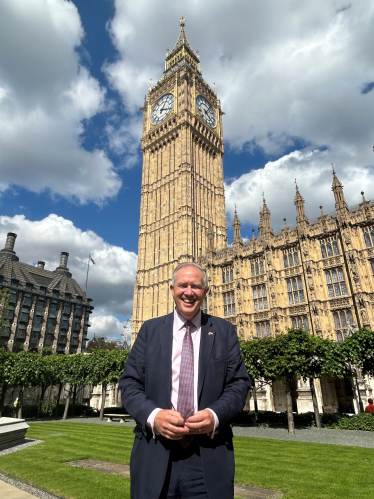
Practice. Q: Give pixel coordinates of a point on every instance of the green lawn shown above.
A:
(304, 471)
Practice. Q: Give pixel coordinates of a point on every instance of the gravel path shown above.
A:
(313, 435)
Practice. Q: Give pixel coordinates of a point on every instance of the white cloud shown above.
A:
(314, 179)
(105, 326)
(287, 73)
(45, 93)
(111, 279)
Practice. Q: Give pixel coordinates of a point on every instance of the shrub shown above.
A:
(115, 410)
(364, 421)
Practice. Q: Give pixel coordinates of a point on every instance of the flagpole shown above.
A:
(88, 268)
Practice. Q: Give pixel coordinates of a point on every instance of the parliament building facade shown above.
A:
(317, 274)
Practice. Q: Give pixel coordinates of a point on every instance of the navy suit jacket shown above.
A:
(145, 384)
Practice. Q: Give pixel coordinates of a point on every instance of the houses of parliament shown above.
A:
(317, 274)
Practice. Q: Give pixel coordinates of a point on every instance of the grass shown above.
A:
(302, 470)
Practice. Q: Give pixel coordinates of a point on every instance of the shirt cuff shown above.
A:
(216, 423)
(151, 421)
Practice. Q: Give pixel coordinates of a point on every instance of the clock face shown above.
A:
(206, 111)
(162, 108)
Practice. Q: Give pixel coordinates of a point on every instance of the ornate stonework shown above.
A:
(182, 196)
(318, 273)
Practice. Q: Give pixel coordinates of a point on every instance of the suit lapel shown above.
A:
(166, 340)
(206, 345)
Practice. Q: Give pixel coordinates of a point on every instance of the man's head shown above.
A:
(189, 287)
(370, 401)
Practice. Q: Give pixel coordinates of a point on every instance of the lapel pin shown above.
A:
(210, 332)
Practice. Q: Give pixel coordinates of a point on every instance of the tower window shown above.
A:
(12, 296)
(27, 299)
(43, 289)
(14, 282)
(55, 292)
(263, 329)
(29, 286)
(329, 247)
(204, 306)
(229, 303)
(257, 266)
(290, 257)
(295, 290)
(260, 297)
(336, 282)
(342, 320)
(368, 235)
(300, 322)
(227, 274)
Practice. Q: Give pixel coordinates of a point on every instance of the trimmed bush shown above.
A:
(363, 421)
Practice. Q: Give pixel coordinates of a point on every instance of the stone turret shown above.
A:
(340, 204)
(8, 250)
(264, 227)
(301, 218)
(237, 241)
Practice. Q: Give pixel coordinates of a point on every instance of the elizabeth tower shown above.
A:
(182, 213)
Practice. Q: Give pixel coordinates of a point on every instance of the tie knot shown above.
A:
(189, 325)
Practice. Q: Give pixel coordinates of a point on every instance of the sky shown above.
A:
(296, 83)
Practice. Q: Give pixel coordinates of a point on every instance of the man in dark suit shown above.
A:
(184, 382)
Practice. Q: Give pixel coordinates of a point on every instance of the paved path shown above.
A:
(312, 435)
(11, 488)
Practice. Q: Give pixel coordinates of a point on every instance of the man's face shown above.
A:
(188, 291)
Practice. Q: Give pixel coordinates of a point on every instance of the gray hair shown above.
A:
(190, 264)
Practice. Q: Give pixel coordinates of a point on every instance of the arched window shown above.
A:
(336, 282)
(295, 290)
(260, 297)
(329, 247)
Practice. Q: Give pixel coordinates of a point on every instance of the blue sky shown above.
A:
(296, 82)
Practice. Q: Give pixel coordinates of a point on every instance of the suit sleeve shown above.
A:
(132, 382)
(237, 383)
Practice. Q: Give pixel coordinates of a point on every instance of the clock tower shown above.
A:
(182, 212)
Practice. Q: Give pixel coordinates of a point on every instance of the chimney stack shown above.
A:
(64, 259)
(62, 268)
(41, 265)
(8, 250)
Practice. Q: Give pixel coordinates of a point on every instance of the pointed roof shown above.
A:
(298, 196)
(236, 220)
(336, 182)
(182, 42)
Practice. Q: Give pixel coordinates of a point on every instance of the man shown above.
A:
(370, 407)
(184, 382)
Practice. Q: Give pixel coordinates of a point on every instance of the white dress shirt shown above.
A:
(178, 335)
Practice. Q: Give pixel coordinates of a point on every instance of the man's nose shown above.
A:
(188, 290)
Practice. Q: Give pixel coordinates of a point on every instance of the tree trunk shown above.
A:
(20, 403)
(42, 393)
(291, 424)
(103, 397)
(67, 405)
(49, 399)
(360, 405)
(255, 400)
(74, 400)
(2, 398)
(315, 403)
(58, 398)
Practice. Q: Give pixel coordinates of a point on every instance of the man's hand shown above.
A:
(201, 422)
(170, 424)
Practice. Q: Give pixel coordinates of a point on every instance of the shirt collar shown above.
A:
(180, 321)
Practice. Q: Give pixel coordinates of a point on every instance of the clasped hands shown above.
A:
(170, 424)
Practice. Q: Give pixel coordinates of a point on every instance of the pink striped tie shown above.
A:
(186, 380)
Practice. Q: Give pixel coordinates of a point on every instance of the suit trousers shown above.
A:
(185, 476)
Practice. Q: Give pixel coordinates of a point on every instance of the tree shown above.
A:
(106, 367)
(75, 372)
(4, 312)
(359, 351)
(255, 358)
(24, 372)
(101, 344)
(7, 360)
